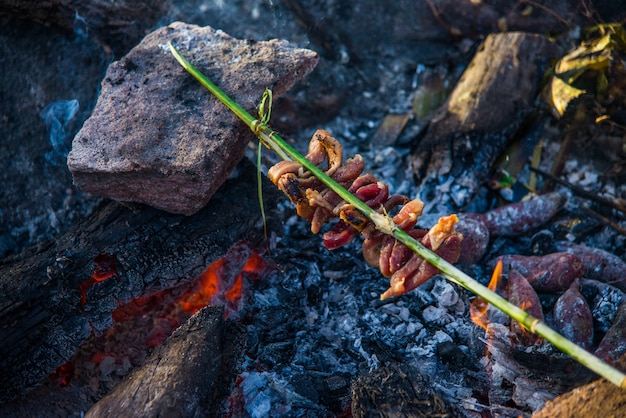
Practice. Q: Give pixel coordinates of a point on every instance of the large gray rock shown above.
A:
(156, 136)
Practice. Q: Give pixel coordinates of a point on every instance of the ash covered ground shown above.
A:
(316, 323)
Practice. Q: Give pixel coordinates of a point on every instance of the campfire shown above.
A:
(158, 280)
(145, 322)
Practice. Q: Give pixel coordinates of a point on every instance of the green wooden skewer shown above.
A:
(384, 223)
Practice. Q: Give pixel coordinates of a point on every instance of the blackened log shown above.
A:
(188, 376)
(485, 111)
(528, 376)
(42, 320)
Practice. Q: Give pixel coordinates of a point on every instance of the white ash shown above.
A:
(346, 329)
(342, 329)
(109, 365)
(266, 394)
(605, 306)
(335, 325)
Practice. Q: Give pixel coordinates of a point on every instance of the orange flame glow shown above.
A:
(105, 268)
(234, 294)
(222, 283)
(153, 317)
(479, 306)
(526, 305)
(205, 288)
(213, 286)
(63, 374)
(255, 264)
(527, 335)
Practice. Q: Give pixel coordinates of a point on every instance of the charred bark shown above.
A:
(528, 376)
(188, 376)
(484, 112)
(42, 319)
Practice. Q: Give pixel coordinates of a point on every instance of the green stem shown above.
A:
(270, 139)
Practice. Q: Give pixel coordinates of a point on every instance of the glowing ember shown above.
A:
(220, 284)
(147, 321)
(234, 294)
(478, 308)
(255, 264)
(204, 289)
(64, 373)
(106, 267)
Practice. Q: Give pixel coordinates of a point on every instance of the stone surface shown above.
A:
(156, 136)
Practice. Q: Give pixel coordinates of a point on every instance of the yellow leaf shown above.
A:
(595, 55)
(561, 94)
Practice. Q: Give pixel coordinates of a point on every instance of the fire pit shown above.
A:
(185, 309)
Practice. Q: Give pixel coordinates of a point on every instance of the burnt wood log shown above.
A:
(484, 112)
(189, 375)
(528, 376)
(42, 320)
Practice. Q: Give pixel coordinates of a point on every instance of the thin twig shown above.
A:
(604, 220)
(385, 224)
(438, 18)
(580, 191)
(549, 11)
